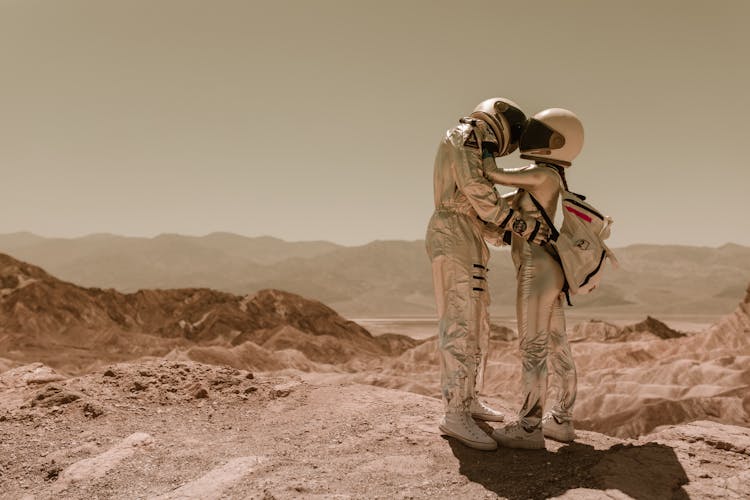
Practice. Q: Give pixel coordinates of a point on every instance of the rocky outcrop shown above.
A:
(38, 310)
(602, 331)
(739, 320)
(654, 327)
(672, 380)
(32, 301)
(595, 331)
(305, 315)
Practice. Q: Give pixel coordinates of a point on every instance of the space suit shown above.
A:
(469, 211)
(552, 138)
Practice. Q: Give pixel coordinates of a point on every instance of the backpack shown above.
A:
(579, 244)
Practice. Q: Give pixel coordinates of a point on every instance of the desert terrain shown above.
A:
(198, 393)
(180, 429)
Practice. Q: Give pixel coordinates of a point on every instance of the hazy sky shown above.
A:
(320, 119)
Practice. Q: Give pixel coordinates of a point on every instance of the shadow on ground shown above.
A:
(643, 472)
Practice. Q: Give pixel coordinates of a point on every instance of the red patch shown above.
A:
(579, 214)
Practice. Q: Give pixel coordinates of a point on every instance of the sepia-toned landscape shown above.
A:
(214, 281)
(204, 393)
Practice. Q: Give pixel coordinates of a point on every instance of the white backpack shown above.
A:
(580, 242)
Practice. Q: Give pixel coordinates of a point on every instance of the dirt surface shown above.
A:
(163, 429)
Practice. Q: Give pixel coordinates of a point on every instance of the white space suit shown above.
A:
(553, 138)
(468, 210)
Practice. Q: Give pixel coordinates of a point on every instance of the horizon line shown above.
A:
(267, 236)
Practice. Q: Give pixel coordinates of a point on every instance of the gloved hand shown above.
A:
(486, 138)
(532, 230)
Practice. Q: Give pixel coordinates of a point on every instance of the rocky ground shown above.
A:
(180, 429)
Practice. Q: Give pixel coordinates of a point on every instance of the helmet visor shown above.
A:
(516, 120)
(536, 135)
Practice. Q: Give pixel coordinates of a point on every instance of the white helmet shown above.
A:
(505, 119)
(554, 134)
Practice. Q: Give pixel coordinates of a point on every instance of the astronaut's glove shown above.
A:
(531, 229)
(487, 139)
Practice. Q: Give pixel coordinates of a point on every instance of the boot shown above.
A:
(557, 429)
(463, 428)
(516, 436)
(481, 411)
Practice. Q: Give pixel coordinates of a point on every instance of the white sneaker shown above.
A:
(515, 436)
(557, 430)
(481, 411)
(462, 427)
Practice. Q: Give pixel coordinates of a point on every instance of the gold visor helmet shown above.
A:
(505, 119)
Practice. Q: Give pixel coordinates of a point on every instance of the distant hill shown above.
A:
(380, 279)
(43, 318)
(218, 260)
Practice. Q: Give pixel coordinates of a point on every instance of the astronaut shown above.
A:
(552, 139)
(468, 210)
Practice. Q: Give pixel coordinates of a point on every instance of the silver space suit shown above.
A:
(469, 211)
(552, 138)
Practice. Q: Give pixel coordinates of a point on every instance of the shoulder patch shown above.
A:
(471, 141)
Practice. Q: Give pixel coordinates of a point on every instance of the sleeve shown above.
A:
(523, 178)
(509, 197)
(466, 163)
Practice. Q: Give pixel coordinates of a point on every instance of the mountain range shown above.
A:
(379, 279)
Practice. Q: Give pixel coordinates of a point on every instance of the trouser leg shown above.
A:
(533, 347)
(538, 287)
(483, 344)
(562, 365)
(459, 311)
